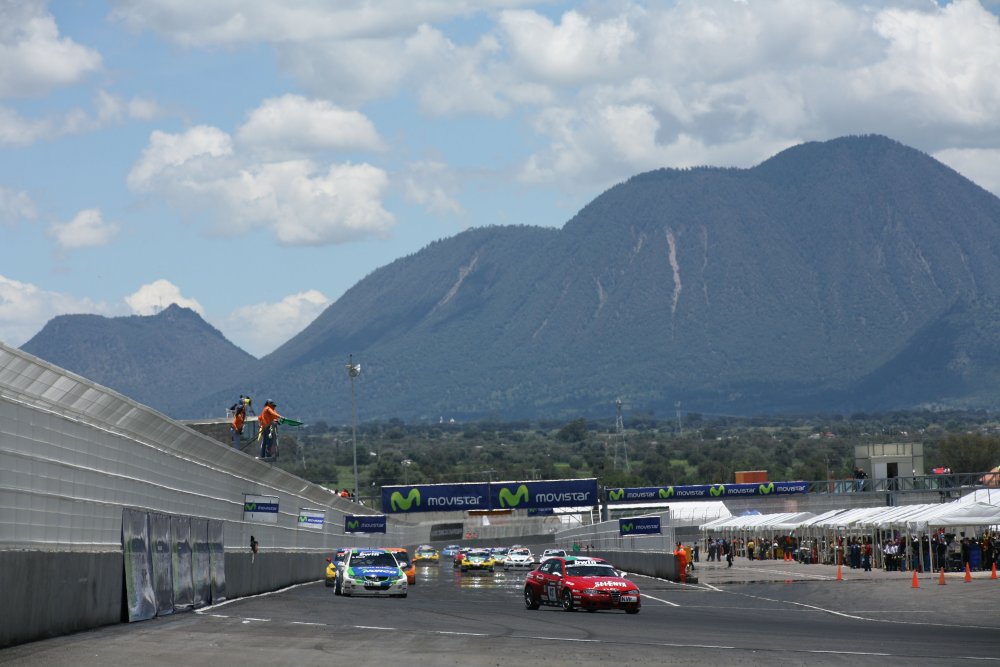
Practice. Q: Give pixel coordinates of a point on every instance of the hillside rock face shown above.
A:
(854, 274)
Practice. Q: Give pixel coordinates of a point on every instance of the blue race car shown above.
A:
(450, 550)
(371, 572)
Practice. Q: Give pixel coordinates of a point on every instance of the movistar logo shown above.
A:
(351, 525)
(627, 527)
(616, 494)
(718, 490)
(249, 507)
(508, 499)
(667, 492)
(766, 488)
(303, 519)
(399, 503)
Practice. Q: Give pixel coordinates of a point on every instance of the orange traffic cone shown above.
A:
(915, 584)
(941, 579)
(994, 575)
(968, 574)
(840, 575)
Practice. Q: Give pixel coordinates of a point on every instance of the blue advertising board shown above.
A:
(639, 525)
(435, 497)
(652, 494)
(364, 523)
(490, 496)
(549, 493)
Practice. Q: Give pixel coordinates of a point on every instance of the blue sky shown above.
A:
(254, 159)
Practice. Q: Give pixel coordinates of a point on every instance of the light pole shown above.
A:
(406, 463)
(353, 371)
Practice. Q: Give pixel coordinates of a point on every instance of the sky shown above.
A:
(254, 159)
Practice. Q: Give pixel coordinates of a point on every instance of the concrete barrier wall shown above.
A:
(651, 563)
(55, 593)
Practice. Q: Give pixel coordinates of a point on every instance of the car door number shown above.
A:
(550, 591)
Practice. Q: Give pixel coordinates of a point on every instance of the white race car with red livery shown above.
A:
(580, 583)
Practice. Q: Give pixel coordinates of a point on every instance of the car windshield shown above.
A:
(520, 552)
(590, 571)
(426, 552)
(478, 554)
(402, 559)
(372, 558)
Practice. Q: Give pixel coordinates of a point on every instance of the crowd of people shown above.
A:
(892, 552)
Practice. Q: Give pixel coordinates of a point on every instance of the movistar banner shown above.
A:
(490, 496)
(435, 497)
(263, 509)
(549, 493)
(652, 494)
(364, 523)
(309, 518)
(639, 525)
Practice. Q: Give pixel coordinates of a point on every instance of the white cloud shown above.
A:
(196, 23)
(87, 229)
(25, 308)
(576, 50)
(977, 164)
(183, 154)
(157, 295)
(261, 327)
(33, 58)
(301, 202)
(15, 206)
(18, 130)
(433, 186)
(298, 125)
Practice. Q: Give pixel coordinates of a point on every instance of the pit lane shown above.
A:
(478, 618)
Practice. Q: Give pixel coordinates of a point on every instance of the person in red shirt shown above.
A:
(267, 420)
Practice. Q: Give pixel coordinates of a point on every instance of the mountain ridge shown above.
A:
(791, 285)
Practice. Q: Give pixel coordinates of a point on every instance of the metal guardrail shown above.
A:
(914, 483)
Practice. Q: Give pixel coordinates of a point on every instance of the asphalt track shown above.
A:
(771, 613)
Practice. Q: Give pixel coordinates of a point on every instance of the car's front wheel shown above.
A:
(530, 599)
(567, 601)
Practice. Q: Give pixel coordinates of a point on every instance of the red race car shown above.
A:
(580, 582)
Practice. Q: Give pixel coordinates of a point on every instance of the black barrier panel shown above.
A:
(442, 532)
(163, 572)
(138, 578)
(180, 534)
(201, 563)
(217, 558)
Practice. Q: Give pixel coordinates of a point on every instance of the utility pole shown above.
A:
(353, 371)
(677, 406)
(620, 437)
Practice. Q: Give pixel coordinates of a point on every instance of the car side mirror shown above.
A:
(558, 574)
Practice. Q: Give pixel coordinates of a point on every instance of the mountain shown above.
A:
(164, 360)
(846, 275)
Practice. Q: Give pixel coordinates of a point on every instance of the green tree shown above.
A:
(970, 452)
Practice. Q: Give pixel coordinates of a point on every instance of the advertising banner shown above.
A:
(442, 532)
(435, 497)
(261, 509)
(639, 525)
(201, 562)
(364, 523)
(652, 494)
(163, 571)
(139, 595)
(181, 565)
(490, 496)
(309, 518)
(550, 493)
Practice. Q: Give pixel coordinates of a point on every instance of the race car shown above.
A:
(371, 572)
(425, 554)
(552, 553)
(583, 583)
(478, 559)
(332, 564)
(519, 558)
(450, 550)
(406, 566)
(499, 553)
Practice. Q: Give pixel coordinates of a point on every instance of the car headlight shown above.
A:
(634, 591)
